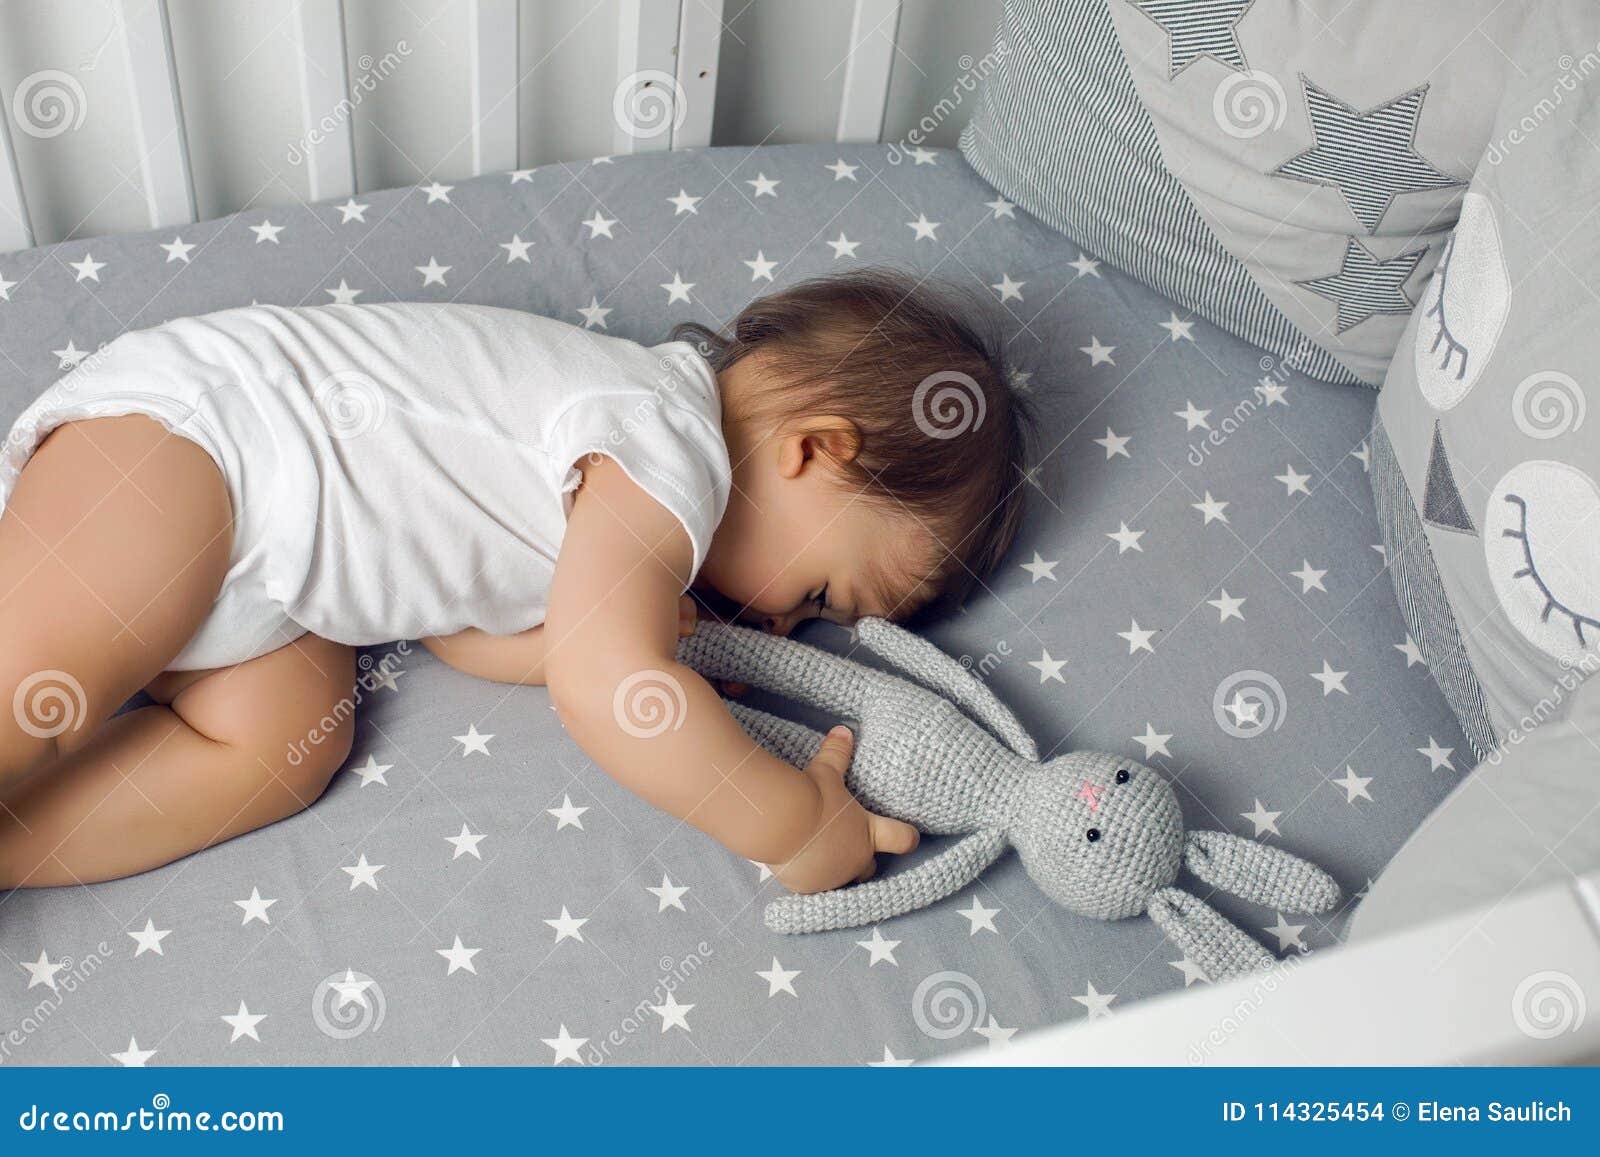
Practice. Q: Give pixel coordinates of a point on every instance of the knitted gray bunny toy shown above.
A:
(1099, 834)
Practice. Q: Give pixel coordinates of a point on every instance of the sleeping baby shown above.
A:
(220, 510)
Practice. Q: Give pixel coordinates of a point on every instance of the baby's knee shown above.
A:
(300, 767)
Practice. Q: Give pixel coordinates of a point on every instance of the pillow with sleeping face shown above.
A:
(1486, 459)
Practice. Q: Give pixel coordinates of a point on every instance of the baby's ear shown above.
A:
(831, 436)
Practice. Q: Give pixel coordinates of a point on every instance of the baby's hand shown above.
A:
(843, 849)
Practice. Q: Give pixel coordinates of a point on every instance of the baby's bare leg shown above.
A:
(113, 546)
(235, 750)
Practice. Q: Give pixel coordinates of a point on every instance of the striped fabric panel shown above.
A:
(1060, 130)
(1423, 603)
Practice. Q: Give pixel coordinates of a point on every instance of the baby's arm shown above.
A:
(610, 642)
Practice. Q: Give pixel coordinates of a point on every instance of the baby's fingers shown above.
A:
(893, 836)
(688, 616)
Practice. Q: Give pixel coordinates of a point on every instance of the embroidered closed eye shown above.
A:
(1442, 335)
(1552, 605)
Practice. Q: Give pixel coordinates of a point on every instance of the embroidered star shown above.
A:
(1126, 539)
(594, 314)
(1154, 742)
(568, 926)
(244, 1023)
(566, 1046)
(466, 843)
(373, 772)
(149, 940)
(437, 192)
(1047, 667)
(343, 294)
(1228, 608)
(1193, 418)
(473, 741)
(1331, 680)
(1264, 820)
(352, 210)
(1196, 30)
(1098, 354)
(879, 949)
(1086, 266)
(1293, 482)
(673, 1014)
(1288, 934)
(1370, 157)
(363, 873)
(677, 289)
(779, 979)
(177, 250)
(255, 908)
(980, 918)
(843, 247)
(459, 956)
(841, 171)
(1410, 650)
(1437, 756)
(1114, 444)
(1008, 289)
(1091, 792)
(432, 273)
(1098, 1003)
(683, 203)
(599, 225)
(764, 186)
(567, 815)
(1355, 786)
(517, 249)
(133, 1057)
(1138, 640)
(1002, 208)
(1040, 569)
(41, 971)
(267, 231)
(668, 895)
(761, 269)
(1211, 508)
(1366, 286)
(1310, 577)
(1178, 330)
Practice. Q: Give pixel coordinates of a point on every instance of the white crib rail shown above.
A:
(666, 66)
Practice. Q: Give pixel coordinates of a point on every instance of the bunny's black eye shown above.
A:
(1092, 835)
(1122, 775)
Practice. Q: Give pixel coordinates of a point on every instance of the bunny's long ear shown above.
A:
(790, 741)
(924, 663)
(1205, 936)
(800, 672)
(877, 900)
(1259, 873)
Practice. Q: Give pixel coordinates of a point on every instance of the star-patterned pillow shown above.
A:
(1288, 169)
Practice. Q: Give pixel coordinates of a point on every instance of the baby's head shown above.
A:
(878, 451)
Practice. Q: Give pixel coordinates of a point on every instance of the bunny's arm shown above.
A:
(782, 666)
(889, 896)
(938, 672)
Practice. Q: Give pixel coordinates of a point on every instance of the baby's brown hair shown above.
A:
(918, 367)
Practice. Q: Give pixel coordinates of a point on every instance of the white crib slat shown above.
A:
(644, 105)
(867, 68)
(16, 229)
(157, 112)
(326, 112)
(699, 42)
(494, 85)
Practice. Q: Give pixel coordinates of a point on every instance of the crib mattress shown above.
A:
(473, 890)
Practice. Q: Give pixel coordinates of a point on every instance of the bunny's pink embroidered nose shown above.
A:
(1091, 792)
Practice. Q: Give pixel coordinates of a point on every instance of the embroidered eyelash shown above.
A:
(1551, 603)
(1451, 345)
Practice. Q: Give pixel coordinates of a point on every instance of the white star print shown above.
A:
(1098, 355)
(683, 203)
(1244, 711)
(1193, 419)
(351, 989)
(668, 895)
(568, 926)
(519, 176)
(149, 940)
(1178, 330)
(41, 971)
(599, 225)
(363, 873)
(924, 228)
(244, 1023)
(1438, 757)
(267, 231)
(890, 1061)
(1113, 444)
(1040, 569)
(921, 155)
(1002, 208)
(879, 949)
(980, 918)
(1410, 650)
(594, 314)
(352, 210)
(517, 249)
(1363, 455)
(1191, 971)
(567, 816)
(763, 873)
(1154, 742)
(1264, 820)
(677, 289)
(841, 171)
(177, 250)
(843, 247)
(88, 269)
(764, 186)
(996, 1036)
(432, 273)
(1138, 640)
(566, 1046)
(466, 844)
(1272, 393)
(473, 741)
(1293, 482)
(1047, 667)
(343, 295)
(1008, 289)
(459, 956)
(1331, 680)
(70, 356)
(255, 908)
(1098, 1003)
(1211, 509)
(1288, 934)
(1227, 608)
(1086, 266)
(437, 192)
(673, 1014)
(1310, 577)
(373, 772)
(1126, 539)
(6, 287)
(760, 268)
(1355, 786)
(779, 979)
(133, 1057)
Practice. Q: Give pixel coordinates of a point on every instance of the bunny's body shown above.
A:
(1101, 835)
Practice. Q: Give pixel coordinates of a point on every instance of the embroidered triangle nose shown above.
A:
(1091, 792)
